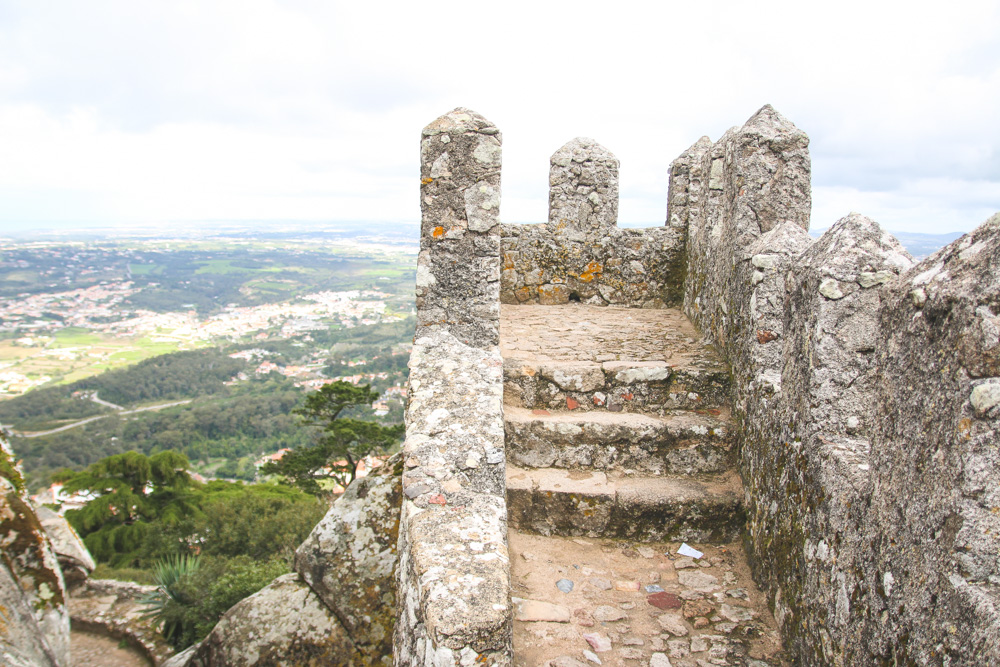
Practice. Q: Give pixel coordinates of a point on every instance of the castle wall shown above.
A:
(453, 574)
(936, 458)
(580, 254)
(866, 425)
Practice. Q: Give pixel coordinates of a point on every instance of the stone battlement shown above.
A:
(863, 391)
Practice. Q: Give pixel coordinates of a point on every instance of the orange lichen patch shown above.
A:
(425, 181)
(438, 232)
(522, 294)
(592, 269)
(965, 428)
(508, 261)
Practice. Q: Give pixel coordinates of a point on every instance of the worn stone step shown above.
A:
(553, 501)
(627, 385)
(680, 443)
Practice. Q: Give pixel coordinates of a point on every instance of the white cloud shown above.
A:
(114, 111)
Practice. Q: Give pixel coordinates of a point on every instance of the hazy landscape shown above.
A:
(203, 343)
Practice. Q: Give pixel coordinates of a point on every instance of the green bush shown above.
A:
(199, 599)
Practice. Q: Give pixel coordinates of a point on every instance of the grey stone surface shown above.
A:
(864, 404)
(580, 254)
(583, 187)
(761, 179)
(453, 579)
(453, 572)
(284, 624)
(458, 269)
(116, 609)
(75, 561)
(936, 461)
(34, 619)
(349, 559)
(829, 353)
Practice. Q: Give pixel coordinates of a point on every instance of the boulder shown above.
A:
(349, 559)
(34, 620)
(74, 559)
(281, 625)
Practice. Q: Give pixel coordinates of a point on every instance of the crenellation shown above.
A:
(458, 268)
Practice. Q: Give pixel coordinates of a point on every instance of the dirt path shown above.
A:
(93, 650)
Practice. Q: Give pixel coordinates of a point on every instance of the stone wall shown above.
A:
(580, 254)
(936, 459)
(865, 405)
(454, 580)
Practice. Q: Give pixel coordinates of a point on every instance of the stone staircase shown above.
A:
(619, 450)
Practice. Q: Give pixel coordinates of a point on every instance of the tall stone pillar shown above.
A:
(458, 270)
(583, 187)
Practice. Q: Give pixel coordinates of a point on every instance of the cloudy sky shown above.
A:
(116, 112)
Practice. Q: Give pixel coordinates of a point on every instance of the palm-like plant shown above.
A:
(167, 575)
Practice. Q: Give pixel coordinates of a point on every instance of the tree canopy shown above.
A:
(343, 444)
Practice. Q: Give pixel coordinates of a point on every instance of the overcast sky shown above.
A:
(115, 112)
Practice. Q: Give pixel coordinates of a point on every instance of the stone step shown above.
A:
(626, 385)
(680, 443)
(553, 501)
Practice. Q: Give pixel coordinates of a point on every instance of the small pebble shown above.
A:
(684, 563)
(700, 622)
(564, 585)
(626, 585)
(659, 660)
(608, 614)
(590, 655)
(654, 588)
(699, 644)
(600, 643)
(600, 583)
(664, 601)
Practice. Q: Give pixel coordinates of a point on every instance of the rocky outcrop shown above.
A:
(340, 606)
(34, 620)
(349, 560)
(75, 561)
(285, 624)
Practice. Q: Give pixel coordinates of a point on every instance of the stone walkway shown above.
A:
(636, 604)
(619, 450)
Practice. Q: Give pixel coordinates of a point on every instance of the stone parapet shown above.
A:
(454, 578)
(552, 264)
(936, 459)
(866, 410)
(580, 254)
(453, 574)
